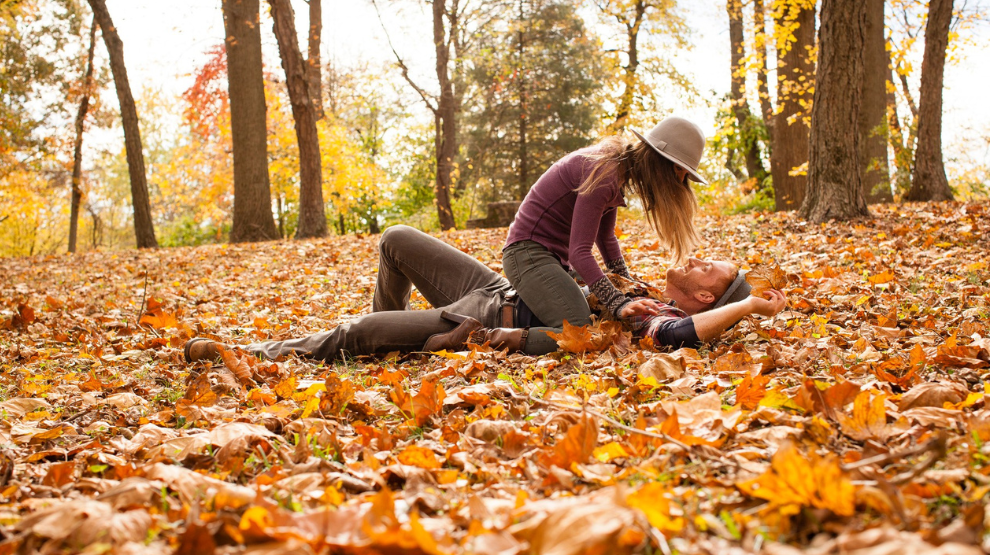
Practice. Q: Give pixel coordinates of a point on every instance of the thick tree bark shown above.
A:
(144, 229)
(77, 151)
(312, 217)
(835, 187)
(795, 71)
(928, 181)
(445, 115)
(873, 142)
(314, 69)
(521, 72)
(253, 220)
(740, 105)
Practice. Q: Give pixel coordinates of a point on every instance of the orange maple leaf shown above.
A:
(751, 391)
(793, 481)
(576, 447)
(422, 457)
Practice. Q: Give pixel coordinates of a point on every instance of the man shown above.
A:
(476, 304)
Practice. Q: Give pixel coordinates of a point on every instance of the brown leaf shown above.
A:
(59, 474)
(933, 394)
(238, 364)
(765, 277)
(198, 393)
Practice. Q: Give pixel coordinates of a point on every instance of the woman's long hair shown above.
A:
(670, 205)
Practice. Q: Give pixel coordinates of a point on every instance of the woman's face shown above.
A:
(681, 174)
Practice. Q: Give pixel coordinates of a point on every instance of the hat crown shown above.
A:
(680, 138)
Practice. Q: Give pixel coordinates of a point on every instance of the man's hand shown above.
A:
(767, 307)
(640, 307)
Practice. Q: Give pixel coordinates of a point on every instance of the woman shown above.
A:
(573, 206)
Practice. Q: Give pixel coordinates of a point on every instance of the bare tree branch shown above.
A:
(402, 65)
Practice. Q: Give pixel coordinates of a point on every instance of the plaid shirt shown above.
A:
(647, 325)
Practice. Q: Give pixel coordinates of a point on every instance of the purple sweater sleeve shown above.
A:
(585, 230)
(607, 243)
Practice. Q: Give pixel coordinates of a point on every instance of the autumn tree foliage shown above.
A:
(518, 124)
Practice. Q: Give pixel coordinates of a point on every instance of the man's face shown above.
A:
(701, 275)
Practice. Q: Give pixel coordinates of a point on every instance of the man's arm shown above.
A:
(710, 324)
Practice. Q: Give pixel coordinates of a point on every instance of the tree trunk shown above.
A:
(312, 218)
(253, 220)
(740, 106)
(901, 145)
(445, 115)
(144, 229)
(873, 142)
(625, 108)
(928, 181)
(835, 187)
(795, 70)
(313, 72)
(521, 73)
(762, 87)
(77, 152)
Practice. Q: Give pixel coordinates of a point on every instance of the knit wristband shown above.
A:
(610, 298)
(618, 267)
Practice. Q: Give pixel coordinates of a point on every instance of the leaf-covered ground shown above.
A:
(856, 421)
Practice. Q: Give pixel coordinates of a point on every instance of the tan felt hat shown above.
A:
(680, 141)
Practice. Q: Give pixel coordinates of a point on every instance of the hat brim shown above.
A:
(692, 174)
(738, 290)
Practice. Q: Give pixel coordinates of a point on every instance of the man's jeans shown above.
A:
(446, 277)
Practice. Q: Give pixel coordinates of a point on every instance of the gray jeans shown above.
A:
(446, 277)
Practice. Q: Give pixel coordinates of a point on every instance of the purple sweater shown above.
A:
(552, 207)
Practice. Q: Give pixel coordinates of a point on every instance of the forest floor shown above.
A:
(856, 421)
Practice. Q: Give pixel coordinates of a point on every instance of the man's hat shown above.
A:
(738, 290)
(680, 141)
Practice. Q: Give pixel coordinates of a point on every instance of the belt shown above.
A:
(508, 311)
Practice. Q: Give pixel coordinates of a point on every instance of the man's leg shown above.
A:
(384, 332)
(371, 334)
(440, 272)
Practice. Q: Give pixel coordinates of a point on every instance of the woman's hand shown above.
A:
(640, 307)
(768, 307)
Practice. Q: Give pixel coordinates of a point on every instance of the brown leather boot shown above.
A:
(455, 339)
(201, 348)
(500, 339)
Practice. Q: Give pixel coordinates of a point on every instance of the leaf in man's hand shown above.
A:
(765, 277)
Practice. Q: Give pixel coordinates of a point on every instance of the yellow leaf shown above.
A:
(869, 419)
(311, 405)
(653, 500)
(609, 451)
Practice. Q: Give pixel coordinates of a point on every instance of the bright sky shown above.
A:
(164, 43)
